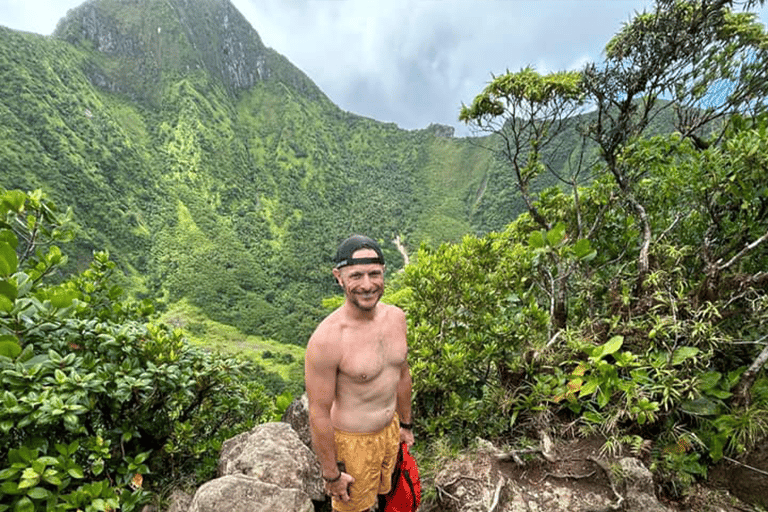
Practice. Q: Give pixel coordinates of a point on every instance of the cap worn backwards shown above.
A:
(354, 243)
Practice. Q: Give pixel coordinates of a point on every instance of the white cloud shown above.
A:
(412, 62)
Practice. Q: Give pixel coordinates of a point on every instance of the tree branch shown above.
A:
(741, 253)
(741, 395)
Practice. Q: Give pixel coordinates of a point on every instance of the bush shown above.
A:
(472, 315)
(100, 406)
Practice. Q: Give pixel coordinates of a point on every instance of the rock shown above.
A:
(180, 501)
(241, 493)
(471, 483)
(273, 453)
(551, 497)
(297, 416)
(637, 487)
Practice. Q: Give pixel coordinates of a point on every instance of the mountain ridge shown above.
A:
(204, 187)
(155, 36)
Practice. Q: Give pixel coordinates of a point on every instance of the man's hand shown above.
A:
(340, 488)
(406, 436)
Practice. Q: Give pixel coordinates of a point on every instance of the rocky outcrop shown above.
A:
(271, 469)
(148, 38)
(240, 493)
(746, 478)
(471, 483)
(636, 484)
(273, 453)
(297, 416)
(266, 469)
(476, 482)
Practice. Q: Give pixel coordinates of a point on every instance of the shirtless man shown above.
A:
(359, 383)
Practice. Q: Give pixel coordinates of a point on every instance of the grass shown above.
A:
(285, 360)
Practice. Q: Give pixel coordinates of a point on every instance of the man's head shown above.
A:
(345, 253)
(359, 271)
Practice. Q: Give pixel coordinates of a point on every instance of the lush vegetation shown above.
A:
(230, 195)
(632, 302)
(101, 407)
(598, 273)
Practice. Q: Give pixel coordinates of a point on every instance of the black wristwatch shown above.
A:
(331, 480)
(407, 426)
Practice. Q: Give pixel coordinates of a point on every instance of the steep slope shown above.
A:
(212, 168)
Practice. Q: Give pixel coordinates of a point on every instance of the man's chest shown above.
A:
(367, 356)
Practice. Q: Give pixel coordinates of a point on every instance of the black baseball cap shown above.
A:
(355, 243)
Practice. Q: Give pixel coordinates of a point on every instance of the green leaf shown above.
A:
(701, 406)
(14, 200)
(75, 472)
(556, 234)
(52, 477)
(9, 473)
(603, 398)
(24, 505)
(683, 353)
(47, 461)
(9, 488)
(583, 250)
(588, 388)
(98, 466)
(60, 376)
(62, 298)
(38, 493)
(6, 304)
(9, 262)
(9, 346)
(536, 240)
(709, 380)
(607, 348)
(8, 289)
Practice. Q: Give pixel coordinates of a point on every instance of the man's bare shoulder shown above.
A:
(393, 312)
(326, 333)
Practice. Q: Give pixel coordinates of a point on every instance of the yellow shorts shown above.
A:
(370, 459)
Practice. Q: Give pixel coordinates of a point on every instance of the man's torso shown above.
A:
(372, 357)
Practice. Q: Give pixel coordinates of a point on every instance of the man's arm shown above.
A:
(404, 391)
(320, 380)
(404, 403)
(321, 365)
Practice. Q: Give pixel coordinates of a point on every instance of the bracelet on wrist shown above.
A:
(407, 426)
(331, 480)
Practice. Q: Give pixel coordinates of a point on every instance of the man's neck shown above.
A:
(355, 313)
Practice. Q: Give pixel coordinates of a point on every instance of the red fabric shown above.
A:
(406, 491)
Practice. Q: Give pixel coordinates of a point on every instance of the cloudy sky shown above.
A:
(411, 62)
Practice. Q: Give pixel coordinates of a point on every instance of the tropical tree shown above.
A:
(700, 59)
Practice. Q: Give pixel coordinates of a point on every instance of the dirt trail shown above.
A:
(400, 247)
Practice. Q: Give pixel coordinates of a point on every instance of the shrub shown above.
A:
(100, 405)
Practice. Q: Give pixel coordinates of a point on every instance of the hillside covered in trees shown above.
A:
(626, 302)
(210, 167)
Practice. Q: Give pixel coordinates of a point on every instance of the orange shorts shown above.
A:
(370, 459)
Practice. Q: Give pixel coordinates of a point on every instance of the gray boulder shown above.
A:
(471, 483)
(241, 493)
(297, 416)
(636, 482)
(273, 453)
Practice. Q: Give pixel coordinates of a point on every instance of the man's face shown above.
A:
(363, 285)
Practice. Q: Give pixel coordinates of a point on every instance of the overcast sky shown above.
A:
(411, 62)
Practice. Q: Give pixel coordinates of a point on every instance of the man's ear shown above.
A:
(337, 275)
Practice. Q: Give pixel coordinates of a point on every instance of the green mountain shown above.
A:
(213, 169)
